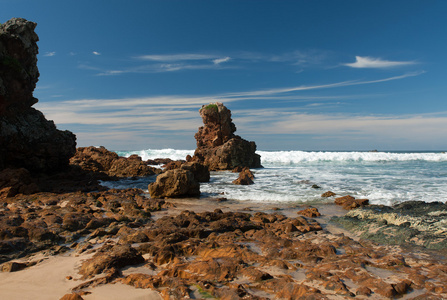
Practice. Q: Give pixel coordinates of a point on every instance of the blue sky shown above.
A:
(297, 75)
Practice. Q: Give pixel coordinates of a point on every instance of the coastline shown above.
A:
(337, 252)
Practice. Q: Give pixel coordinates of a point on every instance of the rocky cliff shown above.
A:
(27, 139)
(217, 145)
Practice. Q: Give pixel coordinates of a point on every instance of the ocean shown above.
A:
(302, 176)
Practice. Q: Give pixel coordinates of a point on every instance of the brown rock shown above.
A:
(200, 171)
(73, 296)
(328, 194)
(245, 177)
(175, 183)
(94, 159)
(311, 212)
(348, 202)
(402, 287)
(13, 266)
(292, 291)
(217, 145)
(363, 291)
(109, 257)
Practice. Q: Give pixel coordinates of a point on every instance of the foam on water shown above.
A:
(294, 157)
(289, 176)
(158, 153)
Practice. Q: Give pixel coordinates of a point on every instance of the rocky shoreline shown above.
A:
(205, 249)
(64, 236)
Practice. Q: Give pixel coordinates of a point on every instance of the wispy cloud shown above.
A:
(49, 54)
(322, 86)
(177, 115)
(221, 60)
(158, 63)
(96, 53)
(376, 63)
(177, 57)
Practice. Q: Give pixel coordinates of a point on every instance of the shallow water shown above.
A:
(288, 176)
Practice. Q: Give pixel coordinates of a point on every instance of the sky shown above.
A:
(296, 75)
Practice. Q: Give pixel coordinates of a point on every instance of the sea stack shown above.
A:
(27, 139)
(217, 145)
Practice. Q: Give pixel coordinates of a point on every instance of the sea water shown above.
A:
(302, 176)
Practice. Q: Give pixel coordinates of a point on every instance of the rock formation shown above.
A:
(101, 160)
(217, 145)
(175, 183)
(27, 139)
(245, 177)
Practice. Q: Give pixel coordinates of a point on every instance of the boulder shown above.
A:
(175, 183)
(28, 140)
(348, 202)
(245, 177)
(310, 212)
(328, 194)
(200, 171)
(99, 159)
(217, 145)
(108, 257)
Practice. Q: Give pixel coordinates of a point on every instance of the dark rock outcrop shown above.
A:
(27, 139)
(217, 145)
(175, 183)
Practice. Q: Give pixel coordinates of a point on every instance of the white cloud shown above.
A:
(376, 63)
(177, 57)
(49, 54)
(96, 53)
(221, 60)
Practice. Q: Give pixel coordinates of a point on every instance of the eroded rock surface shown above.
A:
(101, 160)
(217, 145)
(175, 183)
(27, 139)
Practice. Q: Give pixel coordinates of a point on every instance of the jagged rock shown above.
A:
(310, 212)
(328, 194)
(200, 171)
(217, 145)
(175, 183)
(348, 202)
(109, 257)
(27, 139)
(245, 177)
(100, 159)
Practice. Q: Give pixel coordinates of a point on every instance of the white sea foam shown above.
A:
(294, 157)
(288, 176)
(158, 153)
